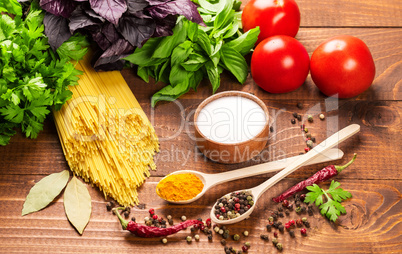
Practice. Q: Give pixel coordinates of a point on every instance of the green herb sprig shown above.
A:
(332, 208)
(33, 79)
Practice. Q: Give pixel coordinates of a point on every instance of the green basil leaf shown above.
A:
(144, 73)
(244, 43)
(223, 16)
(77, 204)
(169, 43)
(235, 63)
(192, 31)
(213, 75)
(194, 62)
(213, 8)
(205, 42)
(45, 191)
(143, 56)
(170, 93)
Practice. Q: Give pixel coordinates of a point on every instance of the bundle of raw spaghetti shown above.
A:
(106, 137)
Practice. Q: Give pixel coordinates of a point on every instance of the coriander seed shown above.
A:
(183, 218)
(164, 240)
(245, 233)
(322, 116)
(189, 239)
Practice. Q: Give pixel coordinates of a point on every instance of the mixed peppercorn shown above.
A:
(233, 205)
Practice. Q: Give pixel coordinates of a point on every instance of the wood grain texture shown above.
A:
(373, 223)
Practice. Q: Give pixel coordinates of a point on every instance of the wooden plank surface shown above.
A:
(373, 223)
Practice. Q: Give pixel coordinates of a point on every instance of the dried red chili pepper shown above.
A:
(322, 175)
(148, 232)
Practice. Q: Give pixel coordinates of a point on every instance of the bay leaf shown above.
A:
(45, 191)
(77, 204)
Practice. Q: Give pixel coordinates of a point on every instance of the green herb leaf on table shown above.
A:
(77, 204)
(45, 191)
(332, 208)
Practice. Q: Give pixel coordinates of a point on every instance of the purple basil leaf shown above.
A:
(111, 58)
(111, 10)
(56, 29)
(110, 32)
(176, 7)
(165, 26)
(134, 6)
(100, 39)
(93, 14)
(80, 19)
(62, 8)
(156, 2)
(136, 30)
(81, 0)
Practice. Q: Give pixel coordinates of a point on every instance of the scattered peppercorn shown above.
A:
(183, 218)
(164, 240)
(264, 237)
(109, 206)
(302, 197)
(322, 116)
(307, 224)
(303, 209)
(285, 203)
(245, 233)
(126, 214)
(209, 237)
(276, 234)
(189, 239)
(310, 118)
(305, 130)
(281, 228)
(269, 226)
(298, 210)
(223, 242)
(299, 222)
(292, 233)
(271, 128)
(313, 139)
(293, 121)
(299, 105)
(170, 222)
(236, 237)
(279, 246)
(244, 248)
(275, 241)
(306, 149)
(309, 143)
(287, 212)
(303, 231)
(247, 244)
(299, 118)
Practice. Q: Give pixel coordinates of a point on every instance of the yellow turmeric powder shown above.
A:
(179, 187)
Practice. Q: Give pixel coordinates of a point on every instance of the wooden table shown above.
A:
(373, 223)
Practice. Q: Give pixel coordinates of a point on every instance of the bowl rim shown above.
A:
(228, 94)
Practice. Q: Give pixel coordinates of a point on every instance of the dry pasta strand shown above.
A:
(106, 137)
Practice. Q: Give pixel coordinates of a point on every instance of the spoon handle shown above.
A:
(268, 167)
(330, 142)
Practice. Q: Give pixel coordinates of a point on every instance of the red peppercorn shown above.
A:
(236, 200)
(237, 206)
(151, 211)
(244, 248)
(287, 225)
(285, 203)
(302, 197)
(303, 231)
(223, 210)
(276, 234)
(248, 206)
(306, 149)
(202, 227)
(217, 215)
(291, 222)
(208, 222)
(299, 222)
(155, 217)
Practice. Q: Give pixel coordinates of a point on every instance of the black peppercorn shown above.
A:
(264, 237)
(223, 242)
(271, 129)
(269, 227)
(303, 209)
(292, 233)
(307, 224)
(210, 237)
(281, 228)
(126, 214)
(293, 121)
(299, 118)
(133, 219)
(299, 105)
(295, 115)
(280, 209)
(281, 215)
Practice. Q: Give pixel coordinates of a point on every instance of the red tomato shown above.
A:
(274, 17)
(342, 66)
(280, 64)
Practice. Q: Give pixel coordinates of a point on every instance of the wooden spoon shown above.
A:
(210, 180)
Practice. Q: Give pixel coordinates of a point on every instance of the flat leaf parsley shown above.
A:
(33, 78)
(332, 208)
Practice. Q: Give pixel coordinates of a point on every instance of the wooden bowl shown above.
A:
(230, 153)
